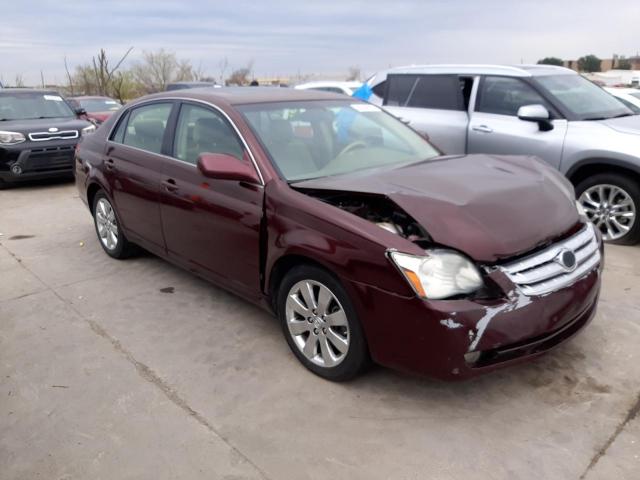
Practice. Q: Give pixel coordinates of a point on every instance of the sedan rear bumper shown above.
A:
(456, 339)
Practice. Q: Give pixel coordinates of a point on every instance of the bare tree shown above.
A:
(240, 76)
(103, 73)
(19, 81)
(69, 78)
(354, 73)
(157, 69)
(223, 66)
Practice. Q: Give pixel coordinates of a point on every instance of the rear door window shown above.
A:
(440, 92)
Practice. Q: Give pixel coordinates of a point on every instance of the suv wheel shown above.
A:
(612, 202)
(110, 234)
(3, 185)
(320, 324)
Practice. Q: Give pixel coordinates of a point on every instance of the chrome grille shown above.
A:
(544, 272)
(42, 136)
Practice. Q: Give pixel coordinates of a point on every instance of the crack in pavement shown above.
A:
(145, 372)
(631, 414)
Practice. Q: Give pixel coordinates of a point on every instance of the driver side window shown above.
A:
(505, 95)
(202, 130)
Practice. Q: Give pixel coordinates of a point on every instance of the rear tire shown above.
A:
(3, 184)
(612, 203)
(320, 324)
(109, 230)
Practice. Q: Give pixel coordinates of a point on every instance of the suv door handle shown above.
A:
(170, 185)
(482, 128)
(404, 120)
(110, 164)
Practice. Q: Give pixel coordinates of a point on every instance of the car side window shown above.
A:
(145, 127)
(202, 130)
(118, 135)
(399, 88)
(505, 95)
(440, 92)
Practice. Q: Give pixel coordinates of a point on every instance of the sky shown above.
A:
(289, 37)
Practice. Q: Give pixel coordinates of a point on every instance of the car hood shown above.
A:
(100, 116)
(43, 124)
(490, 207)
(629, 124)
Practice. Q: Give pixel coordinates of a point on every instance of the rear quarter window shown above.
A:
(439, 92)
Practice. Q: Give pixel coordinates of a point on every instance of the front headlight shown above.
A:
(88, 130)
(439, 274)
(11, 138)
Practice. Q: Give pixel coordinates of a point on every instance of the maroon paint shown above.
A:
(235, 233)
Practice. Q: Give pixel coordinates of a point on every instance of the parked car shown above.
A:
(349, 226)
(346, 88)
(38, 135)
(186, 85)
(96, 109)
(629, 96)
(550, 112)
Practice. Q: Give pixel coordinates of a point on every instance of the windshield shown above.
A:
(99, 105)
(319, 138)
(30, 105)
(585, 100)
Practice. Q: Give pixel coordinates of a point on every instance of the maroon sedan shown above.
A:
(96, 109)
(365, 242)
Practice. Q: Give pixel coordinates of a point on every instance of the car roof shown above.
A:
(330, 83)
(29, 90)
(248, 95)
(480, 69)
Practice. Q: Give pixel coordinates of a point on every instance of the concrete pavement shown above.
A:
(135, 369)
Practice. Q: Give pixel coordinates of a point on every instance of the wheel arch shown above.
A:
(593, 166)
(92, 190)
(282, 266)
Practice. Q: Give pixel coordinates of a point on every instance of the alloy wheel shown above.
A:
(317, 323)
(107, 224)
(610, 208)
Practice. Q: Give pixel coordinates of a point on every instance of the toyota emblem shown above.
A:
(567, 260)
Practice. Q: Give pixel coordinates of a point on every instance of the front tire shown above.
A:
(612, 202)
(110, 234)
(320, 324)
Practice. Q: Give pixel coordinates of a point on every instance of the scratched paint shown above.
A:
(450, 323)
(518, 301)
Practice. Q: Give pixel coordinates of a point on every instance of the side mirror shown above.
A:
(538, 114)
(221, 166)
(80, 111)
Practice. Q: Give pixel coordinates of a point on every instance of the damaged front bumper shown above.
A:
(455, 339)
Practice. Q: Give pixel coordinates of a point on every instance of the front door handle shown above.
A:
(170, 185)
(110, 164)
(404, 120)
(482, 128)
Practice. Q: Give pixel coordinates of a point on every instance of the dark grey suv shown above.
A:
(38, 135)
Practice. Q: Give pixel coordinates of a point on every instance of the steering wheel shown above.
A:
(352, 146)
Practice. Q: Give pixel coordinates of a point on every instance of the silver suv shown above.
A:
(550, 112)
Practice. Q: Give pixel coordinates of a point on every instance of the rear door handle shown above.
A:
(482, 128)
(170, 185)
(404, 120)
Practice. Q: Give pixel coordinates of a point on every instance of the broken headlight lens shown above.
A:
(439, 274)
